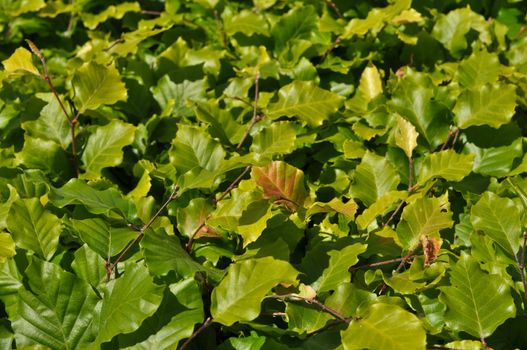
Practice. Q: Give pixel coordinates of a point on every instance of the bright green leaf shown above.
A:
(278, 138)
(89, 266)
(253, 221)
(384, 326)
(97, 85)
(492, 105)
(306, 101)
(447, 165)
(231, 304)
(7, 247)
(405, 136)
(177, 96)
(370, 85)
(479, 69)
(20, 60)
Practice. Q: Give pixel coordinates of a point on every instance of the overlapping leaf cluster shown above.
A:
(265, 174)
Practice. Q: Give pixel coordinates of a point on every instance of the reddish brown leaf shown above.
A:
(431, 247)
(281, 182)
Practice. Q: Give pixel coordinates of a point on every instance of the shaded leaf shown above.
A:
(177, 96)
(104, 147)
(34, 228)
(477, 303)
(498, 218)
(126, 302)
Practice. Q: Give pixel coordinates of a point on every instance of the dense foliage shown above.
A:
(273, 174)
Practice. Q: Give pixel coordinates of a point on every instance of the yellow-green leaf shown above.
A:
(20, 61)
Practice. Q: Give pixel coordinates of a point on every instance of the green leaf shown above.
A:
(97, 85)
(304, 318)
(373, 178)
(447, 165)
(100, 236)
(194, 149)
(51, 125)
(176, 96)
(380, 207)
(495, 161)
(423, 218)
(46, 155)
(34, 228)
(477, 302)
(114, 11)
(126, 302)
(97, 202)
(370, 85)
(413, 99)
(337, 271)
(281, 182)
(277, 139)
(7, 247)
(384, 326)
(479, 69)
(253, 221)
(306, 101)
(193, 216)
(499, 219)
(232, 304)
(59, 312)
(296, 24)
(221, 122)
(492, 105)
(405, 136)
(246, 22)
(104, 147)
(164, 254)
(20, 60)
(89, 266)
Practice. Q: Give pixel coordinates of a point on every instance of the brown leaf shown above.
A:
(431, 247)
(281, 182)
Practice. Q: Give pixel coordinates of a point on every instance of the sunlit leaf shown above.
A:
(231, 304)
(97, 85)
(384, 326)
(306, 101)
(20, 61)
(447, 165)
(7, 247)
(492, 105)
(277, 138)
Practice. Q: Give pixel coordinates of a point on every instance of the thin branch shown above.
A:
(237, 98)
(325, 55)
(221, 29)
(152, 13)
(255, 117)
(395, 212)
(375, 264)
(188, 246)
(232, 185)
(142, 231)
(115, 42)
(403, 262)
(205, 324)
(410, 173)
(325, 308)
(452, 135)
(335, 8)
(521, 264)
(71, 121)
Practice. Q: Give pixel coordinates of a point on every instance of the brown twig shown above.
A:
(335, 8)
(403, 262)
(375, 264)
(256, 117)
(152, 13)
(325, 55)
(142, 230)
(205, 324)
(325, 308)
(521, 264)
(452, 135)
(188, 246)
(72, 121)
